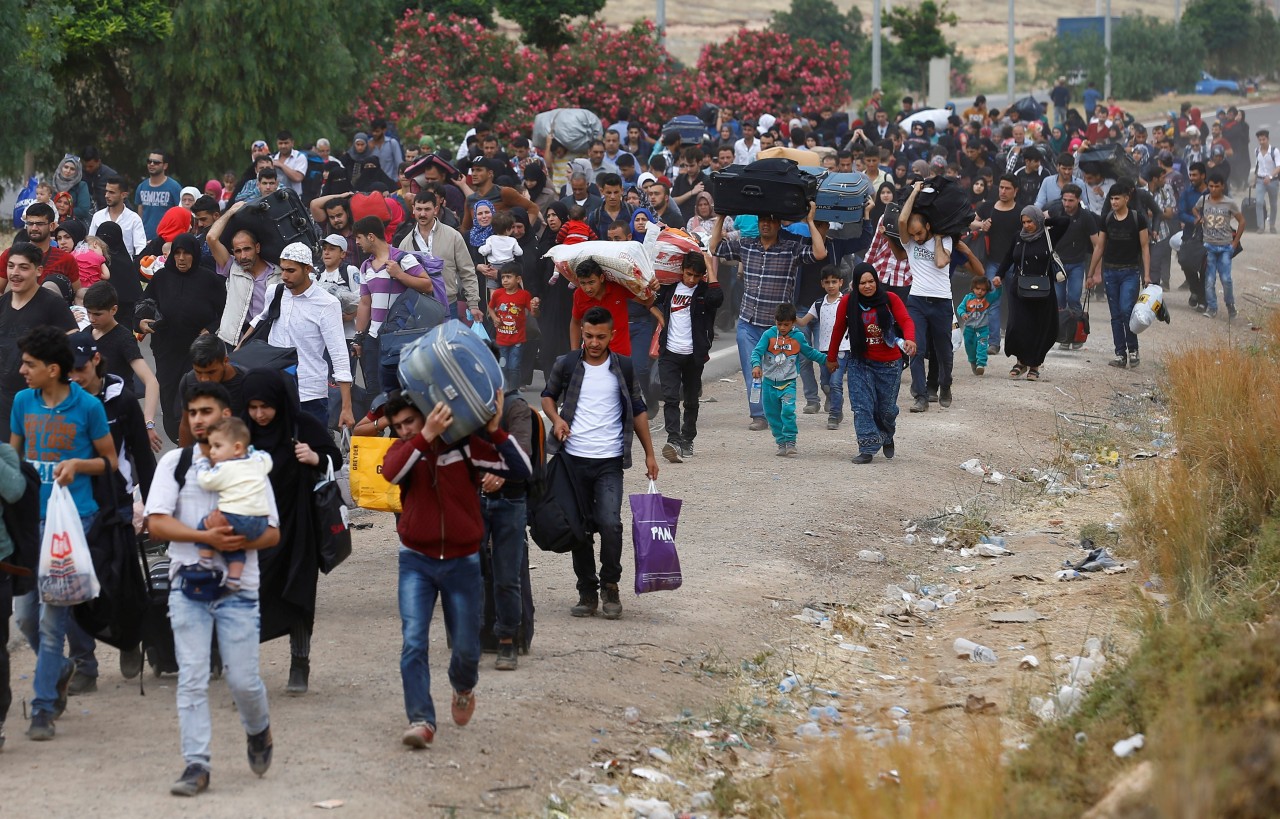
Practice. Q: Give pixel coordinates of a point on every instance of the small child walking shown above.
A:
(509, 310)
(824, 312)
(774, 360)
(239, 476)
(501, 248)
(974, 314)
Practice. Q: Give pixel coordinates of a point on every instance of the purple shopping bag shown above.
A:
(653, 530)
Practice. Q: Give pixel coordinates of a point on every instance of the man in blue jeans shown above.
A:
(594, 405)
(62, 431)
(770, 266)
(176, 506)
(1220, 242)
(1075, 249)
(1266, 162)
(1123, 260)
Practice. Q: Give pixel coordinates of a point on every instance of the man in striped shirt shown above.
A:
(386, 274)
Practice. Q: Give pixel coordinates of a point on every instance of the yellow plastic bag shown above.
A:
(369, 489)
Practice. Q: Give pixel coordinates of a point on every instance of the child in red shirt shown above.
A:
(509, 309)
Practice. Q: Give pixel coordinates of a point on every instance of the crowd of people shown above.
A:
(102, 264)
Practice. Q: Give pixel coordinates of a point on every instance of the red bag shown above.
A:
(655, 346)
(376, 204)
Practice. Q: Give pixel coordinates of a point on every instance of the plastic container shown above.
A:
(757, 391)
(976, 653)
(788, 684)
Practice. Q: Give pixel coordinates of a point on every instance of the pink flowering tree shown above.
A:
(766, 71)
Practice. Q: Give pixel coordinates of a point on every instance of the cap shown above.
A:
(298, 252)
(1191, 131)
(259, 143)
(494, 166)
(84, 347)
(1218, 150)
(337, 241)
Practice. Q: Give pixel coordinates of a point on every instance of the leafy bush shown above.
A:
(1148, 57)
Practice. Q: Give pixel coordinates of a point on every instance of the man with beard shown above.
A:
(248, 275)
(332, 213)
(433, 236)
(115, 192)
(26, 305)
(96, 175)
(483, 173)
(39, 223)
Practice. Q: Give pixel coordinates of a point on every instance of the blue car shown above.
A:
(1210, 85)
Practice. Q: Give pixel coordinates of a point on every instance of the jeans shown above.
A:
(748, 337)
(835, 382)
(1161, 264)
(681, 380)
(993, 324)
(780, 409)
(236, 618)
(805, 369)
(504, 522)
(975, 345)
(1268, 188)
(641, 330)
(1070, 291)
(599, 484)
(6, 604)
(932, 317)
(510, 362)
(873, 391)
(317, 408)
(1123, 284)
(1218, 266)
(458, 584)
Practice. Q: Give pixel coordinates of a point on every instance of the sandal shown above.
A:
(1033, 374)
(1017, 371)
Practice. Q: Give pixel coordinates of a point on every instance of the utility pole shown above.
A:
(1106, 41)
(1011, 60)
(662, 23)
(875, 43)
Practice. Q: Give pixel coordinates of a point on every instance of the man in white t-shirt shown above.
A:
(688, 308)
(746, 149)
(824, 311)
(594, 405)
(929, 302)
(176, 506)
(116, 194)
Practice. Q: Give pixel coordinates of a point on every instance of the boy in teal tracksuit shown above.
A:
(774, 358)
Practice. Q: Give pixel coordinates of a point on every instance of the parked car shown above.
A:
(1210, 85)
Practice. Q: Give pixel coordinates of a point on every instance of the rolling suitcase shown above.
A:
(766, 187)
(524, 637)
(452, 364)
(691, 129)
(277, 219)
(842, 197)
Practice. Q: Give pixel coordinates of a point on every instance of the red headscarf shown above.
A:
(175, 222)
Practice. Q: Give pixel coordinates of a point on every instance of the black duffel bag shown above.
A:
(1110, 161)
(766, 187)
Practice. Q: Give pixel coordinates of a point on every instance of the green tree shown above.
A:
(821, 20)
(918, 31)
(543, 22)
(479, 10)
(28, 48)
(1148, 57)
(232, 73)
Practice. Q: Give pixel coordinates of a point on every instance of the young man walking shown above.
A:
(594, 405)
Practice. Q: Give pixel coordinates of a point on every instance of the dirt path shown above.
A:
(743, 540)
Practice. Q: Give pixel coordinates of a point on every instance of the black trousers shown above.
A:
(681, 377)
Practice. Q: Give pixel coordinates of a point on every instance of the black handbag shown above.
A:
(255, 352)
(1037, 286)
(331, 522)
(1192, 253)
(557, 521)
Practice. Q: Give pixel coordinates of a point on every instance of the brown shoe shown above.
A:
(612, 605)
(464, 705)
(586, 606)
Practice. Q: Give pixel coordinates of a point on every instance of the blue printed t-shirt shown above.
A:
(156, 202)
(58, 434)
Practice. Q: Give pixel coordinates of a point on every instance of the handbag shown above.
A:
(65, 576)
(558, 521)
(1037, 286)
(332, 522)
(369, 489)
(653, 533)
(256, 352)
(1192, 253)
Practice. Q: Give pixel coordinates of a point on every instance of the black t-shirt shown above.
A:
(1124, 242)
(234, 386)
(45, 308)
(119, 349)
(1005, 227)
(1076, 245)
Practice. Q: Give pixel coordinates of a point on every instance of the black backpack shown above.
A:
(538, 441)
(22, 520)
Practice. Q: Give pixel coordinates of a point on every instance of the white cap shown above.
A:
(298, 252)
(336, 240)
(767, 121)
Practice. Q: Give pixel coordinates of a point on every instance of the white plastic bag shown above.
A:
(626, 263)
(65, 576)
(1146, 308)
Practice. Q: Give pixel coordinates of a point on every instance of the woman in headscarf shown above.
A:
(556, 308)
(537, 188)
(124, 272)
(874, 320)
(883, 198)
(187, 300)
(640, 219)
(64, 205)
(214, 188)
(70, 180)
(481, 228)
(301, 451)
(1033, 322)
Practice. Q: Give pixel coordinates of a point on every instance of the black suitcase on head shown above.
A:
(691, 129)
(277, 220)
(766, 187)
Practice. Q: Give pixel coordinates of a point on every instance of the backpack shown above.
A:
(22, 520)
(538, 443)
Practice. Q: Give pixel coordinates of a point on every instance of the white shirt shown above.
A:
(1267, 164)
(192, 505)
(429, 244)
(296, 161)
(927, 279)
(744, 155)
(680, 330)
(596, 431)
(310, 323)
(826, 316)
(135, 235)
(499, 250)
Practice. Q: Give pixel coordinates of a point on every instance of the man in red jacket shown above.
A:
(440, 531)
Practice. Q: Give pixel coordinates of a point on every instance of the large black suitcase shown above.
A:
(691, 129)
(277, 220)
(1111, 161)
(766, 187)
(157, 634)
(524, 637)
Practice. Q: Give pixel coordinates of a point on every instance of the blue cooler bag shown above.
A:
(453, 365)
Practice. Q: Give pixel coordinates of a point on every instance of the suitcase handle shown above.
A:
(751, 190)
